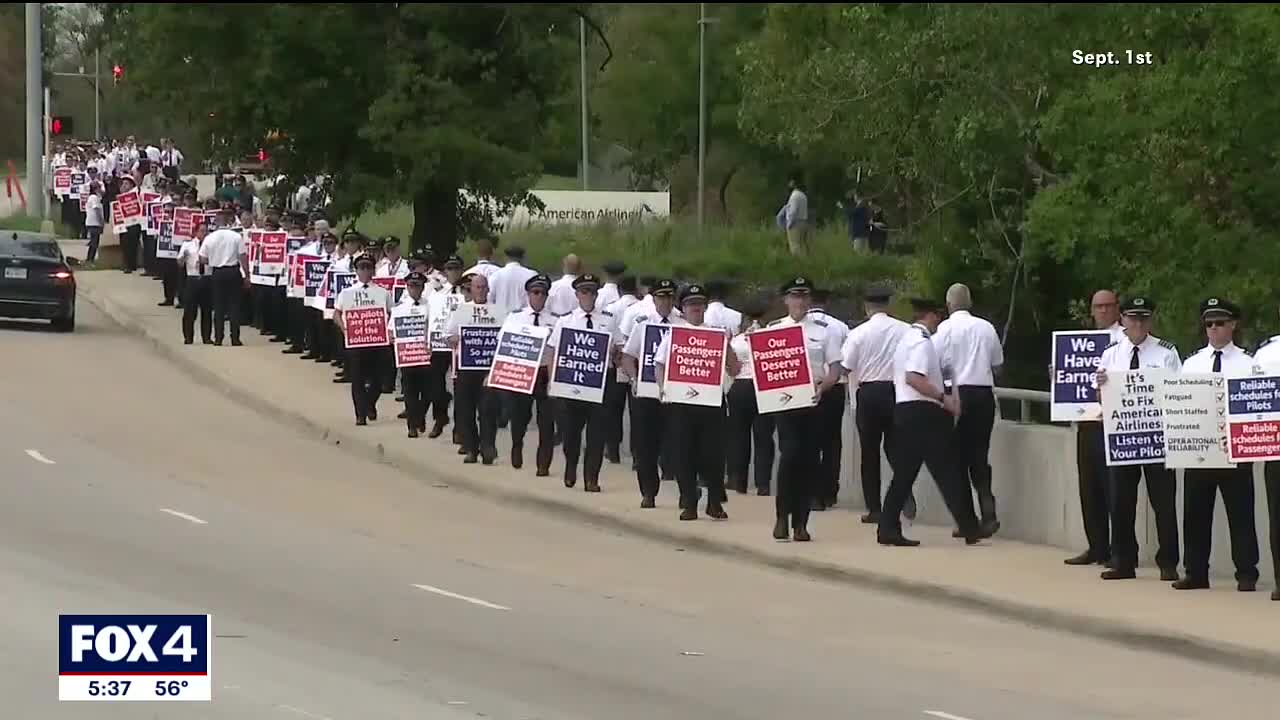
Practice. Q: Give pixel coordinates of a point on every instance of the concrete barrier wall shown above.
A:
(1038, 500)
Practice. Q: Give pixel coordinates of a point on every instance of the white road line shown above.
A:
(944, 715)
(35, 455)
(184, 516)
(303, 713)
(463, 598)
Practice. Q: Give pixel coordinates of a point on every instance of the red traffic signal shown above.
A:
(60, 125)
(262, 155)
(117, 73)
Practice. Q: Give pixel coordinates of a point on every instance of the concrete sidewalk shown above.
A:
(1015, 580)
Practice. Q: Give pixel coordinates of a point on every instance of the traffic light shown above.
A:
(263, 156)
(61, 125)
(117, 73)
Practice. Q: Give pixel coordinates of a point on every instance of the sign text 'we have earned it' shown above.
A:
(780, 369)
(1131, 417)
(694, 369)
(581, 365)
(1076, 355)
(517, 358)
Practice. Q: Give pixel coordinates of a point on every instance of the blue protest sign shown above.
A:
(1075, 360)
(477, 345)
(647, 385)
(338, 282)
(581, 365)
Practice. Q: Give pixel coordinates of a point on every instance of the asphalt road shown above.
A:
(345, 590)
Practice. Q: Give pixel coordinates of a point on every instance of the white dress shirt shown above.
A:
(386, 268)
(407, 301)
(635, 341)
(1236, 363)
(1152, 353)
(506, 286)
(222, 248)
(916, 353)
(363, 295)
(189, 258)
(1266, 359)
(440, 308)
(527, 316)
(723, 316)
(93, 211)
(579, 319)
(644, 307)
(821, 341)
(969, 349)
(484, 267)
(838, 326)
(740, 346)
(607, 296)
(868, 352)
(171, 158)
(561, 299)
(153, 154)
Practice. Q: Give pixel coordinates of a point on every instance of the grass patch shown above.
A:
(24, 223)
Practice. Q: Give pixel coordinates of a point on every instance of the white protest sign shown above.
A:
(1131, 418)
(1194, 409)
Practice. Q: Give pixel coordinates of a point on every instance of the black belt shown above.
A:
(875, 382)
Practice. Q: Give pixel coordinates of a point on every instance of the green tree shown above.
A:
(399, 101)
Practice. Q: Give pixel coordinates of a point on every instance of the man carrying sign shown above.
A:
(477, 405)
(698, 430)
(1266, 361)
(413, 378)
(1201, 485)
(1139, 349)
(535, 314)
(441, 305)
(577, 415)
(648, 416)
(365, 356)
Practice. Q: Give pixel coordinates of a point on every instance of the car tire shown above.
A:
(65, 324)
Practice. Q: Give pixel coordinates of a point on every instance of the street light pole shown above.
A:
(582, 71)
(97, 95)
(702, 113)
(35, 168)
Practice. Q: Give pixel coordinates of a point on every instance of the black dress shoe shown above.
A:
(488, 455)
(1190, 583)
(373, 413)
(817, 505)
(613, 456)
(898, 540)
(457, 437)
(1084, 558)
(715, 512)
(570, 477)
(236, 343)
(279, 340)
(780, 529)
(206, 341)
(801, 535)
(871, 518)
(517, 457)
(404, 415)
(291, 351)
(592, 486)
(957, 534)
(307, 356)
(413, 432)
(320, 359)
(990, 527)
(217, 343)
(1275, 595)
(462, 450)
(1246, 585)
(542, 472)
(1119, 574)
(648, 503)
(470, 459)
(436, 430)
(361, 422)
(688, 514)
(1168, 574)
(399, 398)
(762, 492)
(165, 303)
(188, 341)
(341, 379)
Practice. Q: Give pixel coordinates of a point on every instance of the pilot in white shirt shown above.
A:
(1140, 350)
(478, 405)
(832, 407)
(534, 314)
(581, 415)
(609, 292)
(648, 414)
(392, 264)
(507, 284)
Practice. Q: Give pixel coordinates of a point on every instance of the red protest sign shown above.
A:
(780, 369)
(272, 252)
(62, 181)
(185, 221)
(130, 208)
(695, 368)
(365, 327)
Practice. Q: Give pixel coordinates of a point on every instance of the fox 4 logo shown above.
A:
(131, 643)
(125, 644)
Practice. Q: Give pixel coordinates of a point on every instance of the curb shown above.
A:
(1169, 643)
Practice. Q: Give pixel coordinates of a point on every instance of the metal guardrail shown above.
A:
(1025, 399)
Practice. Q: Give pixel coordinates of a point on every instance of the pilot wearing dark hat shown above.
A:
(520, 407)
(392, 264)
(1266, 360)
(577, 416)
(798, 429)
(649, 416)
(609, 293)
(1201, 486)
(414, 379)
(1139, 350)
(923, 419)
(364, 363)
(507, 283)
(698, 431)
(440, 307)
(867, 357)
(478, 406)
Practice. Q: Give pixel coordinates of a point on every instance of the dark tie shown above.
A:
(1133, 361)
(666, 321)
(535, 318)
(590, 325)
(1217, 361)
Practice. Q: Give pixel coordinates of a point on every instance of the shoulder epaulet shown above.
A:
(1167, 345)
(820, 323)
(1263, 344)
(775, 322)
(606, 313)
(1112, 344)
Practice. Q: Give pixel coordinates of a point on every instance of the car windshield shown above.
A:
(27, 245)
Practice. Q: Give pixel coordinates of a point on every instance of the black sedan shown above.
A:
(36, 281)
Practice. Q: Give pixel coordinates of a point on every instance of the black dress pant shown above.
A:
(798, 439)
(438, 396)
(923, 432)
(971, 445)
(296, 323)
(413, 382)
(170, 278)
(318, 336)
(477, 412)
(575, 417)
(699, 452)
(1162, 491)
(278, 323)
(1271, 471)
(648, 427)
(874, 417)
(228, 288)
(364, 367)
(1091, 462)
(615, 403)
(129, 248)
(748, 430)
(1200, 492)
(261, 307)
(521, 409)
(149, 254)
(197, 297)
(831, 442)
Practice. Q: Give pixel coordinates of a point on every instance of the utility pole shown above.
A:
(35, 167)
(703, 22)
(97, 94)
(582, 71)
